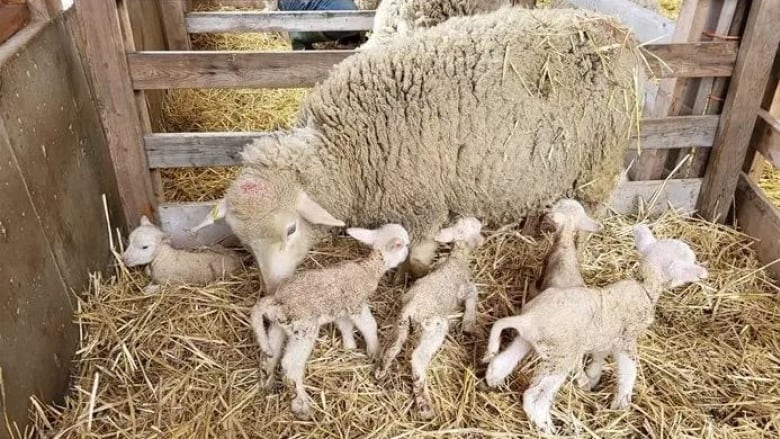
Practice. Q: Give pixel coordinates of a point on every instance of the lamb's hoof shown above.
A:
(151, 289)
(301, 409)
(348, 344)
(620, 403)
(488, 357)
(270, 385)
(469, 328)
(424, 409)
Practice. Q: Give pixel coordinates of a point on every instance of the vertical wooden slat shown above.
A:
(755, 162)
(754, 62)
(173, 13)
(45, 9)
(104, 51)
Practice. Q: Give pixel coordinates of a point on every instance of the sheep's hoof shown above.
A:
(424, 408)
(488, 357)
(620, 403)
(151, 289)
(469, 328)
(492, 381)
(301, 409)
(586, 383)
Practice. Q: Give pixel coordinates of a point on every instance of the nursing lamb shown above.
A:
(474, 117)
(563, 324)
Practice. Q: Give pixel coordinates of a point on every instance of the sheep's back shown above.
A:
(494, 115)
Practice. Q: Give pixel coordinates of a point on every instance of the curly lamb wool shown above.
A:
(494, 116)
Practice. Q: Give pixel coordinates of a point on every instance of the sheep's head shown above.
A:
(391, 240)
(569, 214)
(671, 260)
(143, 244)
(468, 230)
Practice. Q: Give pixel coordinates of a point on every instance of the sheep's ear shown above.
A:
(588, 224)
(446, 235)
(314, 213)
(216, 213)
(644, 238)
(683, 272)
(145, 221)
(365, 236)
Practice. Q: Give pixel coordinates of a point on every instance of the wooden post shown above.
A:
(174, 14)
(104, 51)
(754, 163)
(751, 73)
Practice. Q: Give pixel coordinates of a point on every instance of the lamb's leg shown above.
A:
(276, 338)
(301, 343)
(433, 333)
(347, 330)
(367, 326)
(470, 311)
(538, 399)
(593, 371)
(505, 362)
(402, 332)
(626, 372)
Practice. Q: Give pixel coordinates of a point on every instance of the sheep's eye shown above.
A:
(291, 229)
(144, 247)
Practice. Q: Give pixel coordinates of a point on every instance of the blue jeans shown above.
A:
(304, 40)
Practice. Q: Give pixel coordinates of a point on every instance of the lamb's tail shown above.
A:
(264, 308)
(494, 341)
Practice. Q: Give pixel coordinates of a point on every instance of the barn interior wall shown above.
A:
(54, 167)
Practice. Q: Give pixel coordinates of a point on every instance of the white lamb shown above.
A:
(312, 298)
(167, 265)
(564, 324)
(431, 300)
(562, 265)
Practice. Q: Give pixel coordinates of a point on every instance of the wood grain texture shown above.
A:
(245, 69)
(757, 216)
(768, 135)
(176, 150)
(109, 75)
(656, 196)
(173, 14)
(757, 52)
(309, 21)
(12, 19)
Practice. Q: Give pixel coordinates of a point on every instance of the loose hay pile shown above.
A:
(184, 363)
(770, 183)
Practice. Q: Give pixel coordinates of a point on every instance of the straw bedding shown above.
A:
(770, 183)
(184, 364)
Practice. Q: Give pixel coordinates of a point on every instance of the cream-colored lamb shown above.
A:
(432, 299)
(312, 298)
(562, 265)
(167, 265)
(564, 324)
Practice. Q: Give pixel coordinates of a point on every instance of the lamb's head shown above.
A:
(467, 230)
(671, 261)
(568, 214)
(391, 240)
(143, 244)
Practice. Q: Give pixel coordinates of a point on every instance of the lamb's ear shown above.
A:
(365, 236)
(314, 213)
(145, 221)
(216, 213)
(644, 238)
(588, 224)
(684, 272)
(446, 235)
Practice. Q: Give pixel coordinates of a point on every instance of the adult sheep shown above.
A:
(493, 116)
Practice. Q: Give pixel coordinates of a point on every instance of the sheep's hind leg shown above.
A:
(431, 338)
(593, 371)
(367, 326)
(626, 377)
(276, 338)
(347, 330)
(505, 362)
(538, 398)
(402, 332)
(301, 343)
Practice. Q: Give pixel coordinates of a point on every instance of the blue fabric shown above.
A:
(304, 40)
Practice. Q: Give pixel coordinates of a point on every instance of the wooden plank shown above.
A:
(289, 69)
(107, 67)
(759, 217)
(647, 25)
(655, 196)
(757, 52)
(180, 150)
(290, 21)
(768, 144)
(12, 19)
(177, 218)
(755, 163)
(173, 14)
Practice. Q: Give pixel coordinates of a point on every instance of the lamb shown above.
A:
(312, 298)
(564, 324)
(561, 269)
(396, 18)
(429, 302)
(150, 245)
(473, 117)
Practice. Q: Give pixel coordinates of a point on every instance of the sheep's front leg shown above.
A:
(593, 371)
(276, 338)
(626, 371)
(470, 305)
(538, 399)
(347, 330)
(433, 333)
(402, 332)
(301, 343)
(367, 326)
(505, 362)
